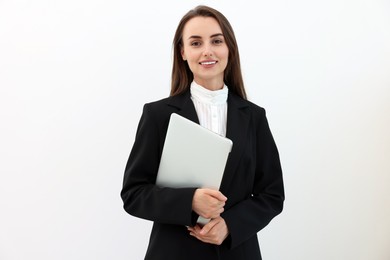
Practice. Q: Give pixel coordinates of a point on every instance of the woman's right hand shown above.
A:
(208, 203)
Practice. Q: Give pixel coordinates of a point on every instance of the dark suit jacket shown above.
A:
(252, 183)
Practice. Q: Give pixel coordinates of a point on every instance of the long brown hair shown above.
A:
(181, 73)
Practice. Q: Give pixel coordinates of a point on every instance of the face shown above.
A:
(205, 50)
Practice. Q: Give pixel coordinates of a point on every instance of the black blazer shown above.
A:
(252, 182)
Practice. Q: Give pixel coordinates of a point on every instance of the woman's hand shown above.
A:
(214, 232)
(208, 203)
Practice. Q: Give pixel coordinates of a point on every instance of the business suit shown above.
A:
(252, 183)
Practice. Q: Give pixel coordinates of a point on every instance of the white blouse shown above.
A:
(211, 107)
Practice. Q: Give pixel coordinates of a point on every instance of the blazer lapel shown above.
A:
(185, 106)
(237, 127)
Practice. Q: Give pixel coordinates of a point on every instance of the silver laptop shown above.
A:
(193, 156)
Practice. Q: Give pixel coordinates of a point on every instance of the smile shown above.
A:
(208, 62)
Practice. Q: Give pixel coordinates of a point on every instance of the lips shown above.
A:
(208, 62)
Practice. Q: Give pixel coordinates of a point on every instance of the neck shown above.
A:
(213, 84)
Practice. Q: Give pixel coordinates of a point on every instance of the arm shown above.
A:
(251, 215)
(141, 197)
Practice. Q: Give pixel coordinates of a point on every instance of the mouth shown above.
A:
(208, 62)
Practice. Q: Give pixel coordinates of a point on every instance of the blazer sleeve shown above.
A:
(141, 197)
(251, 215)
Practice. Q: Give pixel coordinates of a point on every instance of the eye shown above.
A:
(195, 43)
(217, 41)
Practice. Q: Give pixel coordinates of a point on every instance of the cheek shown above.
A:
(190, 54)
(191, 61)
(225, 57)
(227, 54)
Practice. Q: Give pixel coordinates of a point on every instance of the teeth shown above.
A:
(208, 62)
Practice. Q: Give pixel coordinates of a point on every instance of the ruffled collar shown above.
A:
(203, 95)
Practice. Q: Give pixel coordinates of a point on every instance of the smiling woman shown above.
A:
(204, 18)
(205, 51)
(207, 88)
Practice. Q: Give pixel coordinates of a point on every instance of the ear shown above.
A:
(182, 54)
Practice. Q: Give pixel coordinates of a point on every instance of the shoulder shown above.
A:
(160, 110)
(156, 105)
(169, 101)
(161, 103)
(255, 108)
(249, 106)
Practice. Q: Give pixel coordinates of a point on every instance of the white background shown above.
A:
(75, 74)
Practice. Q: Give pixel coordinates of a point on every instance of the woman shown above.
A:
(207, 88)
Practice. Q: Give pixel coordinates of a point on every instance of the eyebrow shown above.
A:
(199, 37)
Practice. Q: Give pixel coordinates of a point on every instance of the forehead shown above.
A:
(201, 26)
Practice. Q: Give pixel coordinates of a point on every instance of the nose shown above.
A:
(207, 51)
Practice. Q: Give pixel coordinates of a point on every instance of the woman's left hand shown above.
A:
(214, 232)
